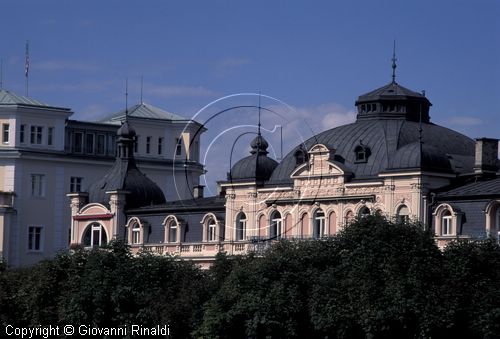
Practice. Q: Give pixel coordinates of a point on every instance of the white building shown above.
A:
(44, 155)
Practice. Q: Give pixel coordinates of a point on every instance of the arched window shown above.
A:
(349, 217)
(319, 224)
(94, 236)
(446, 219)
(172, 232)
(212, 230)
(275, 225)
(403, 214)
(363, 212)
(241, 226)
(136, 234)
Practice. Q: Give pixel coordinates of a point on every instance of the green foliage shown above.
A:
(374, 279)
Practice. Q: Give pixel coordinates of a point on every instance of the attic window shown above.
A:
(300, 156)
(362, 153)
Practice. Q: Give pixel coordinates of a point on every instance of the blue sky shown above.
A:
(315, 56)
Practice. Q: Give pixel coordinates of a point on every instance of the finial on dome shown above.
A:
(394, 62)
(258, 126)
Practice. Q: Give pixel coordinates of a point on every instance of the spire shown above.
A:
(394, 62)
(142, 84)
(258, 126)
(126, 98)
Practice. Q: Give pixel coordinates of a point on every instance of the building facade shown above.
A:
(44, 155)
(392, 160)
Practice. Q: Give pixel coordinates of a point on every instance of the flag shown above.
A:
(27, 61)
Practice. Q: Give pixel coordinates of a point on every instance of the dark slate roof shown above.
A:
(208, 203)
(257, 166)
(9, 98)
(394, 145)
(475, 189)
(124, 175)
(144, 111)
(391, 90)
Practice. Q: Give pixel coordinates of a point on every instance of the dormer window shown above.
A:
(362, 153)
(300, 156)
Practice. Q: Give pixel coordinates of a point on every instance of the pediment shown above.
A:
(317, 168)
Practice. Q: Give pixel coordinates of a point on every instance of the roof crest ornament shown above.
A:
(258, 126)
(394, 63)
(126, 99)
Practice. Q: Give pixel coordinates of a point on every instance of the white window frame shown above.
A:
(75, 184)
(5, 134)
(148, 144)
(178, 147)
(240, 226)
(38, 185)
(32, 238)
(275, 225)
(319, 224)
(211, 230)
(160, 145)
(95, 227)
(50, 136)
(101, 144)
(173, 229)
(36, 135)
(78, 137)
(22, 133)
(136, 234)
(446, 223)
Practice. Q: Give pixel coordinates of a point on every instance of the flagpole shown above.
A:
(27, 66)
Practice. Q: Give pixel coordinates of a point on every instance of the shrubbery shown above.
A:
(374, 279)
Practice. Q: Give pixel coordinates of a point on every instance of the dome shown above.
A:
(431, 158)
(124, 175)
(389, 140)
(257, 166)
(126, 131)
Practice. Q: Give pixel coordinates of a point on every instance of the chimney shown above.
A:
(198, 191)
(486, 156)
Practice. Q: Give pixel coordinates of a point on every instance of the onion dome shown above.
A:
(255, 167)
(124, 175)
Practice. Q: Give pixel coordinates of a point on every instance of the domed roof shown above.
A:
(393, 145)
(429, 158)
(255, 167)
(125, 131)
(124, 175)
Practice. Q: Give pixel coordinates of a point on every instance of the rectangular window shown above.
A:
(35, 238)
(78, 142)
(89, 143)
(101, 144)
(148, 145)
(5, 133)
(38, 185)
(75, 184)
(446, 225)
(36, 135)
(172, 233)
(22, 131)
(178, 147)
(111, 145)
(50, 136)
(160, 146)
(212, 227)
